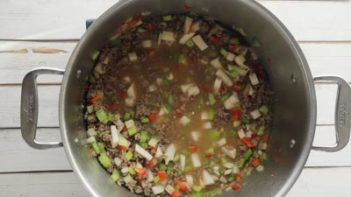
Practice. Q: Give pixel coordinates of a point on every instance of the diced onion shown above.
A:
(186, 37)
(130, 102)
(195, 160)
(146, 43)
(241, 133)
(168, 36)
(130, 124)
(159, 152)
(195, 135)
(158, 189)
(163, 111)
(199, 42)
(125, 170)
(190, 89)
(230, 152)
(221, 142)
(217, 85)
(222, 75)
(170, 76)
(253, 79)
(230, 57)
(207, 125)
(195, 27)
(182, 162)
(143, 152)
(228, 165)
(114, 136)
(232, 101)
(216, 63)
(169, 189)
(260, 168)
(207, 178)
(150, 176)
(184, 120)
(204, 115)
(152, 88)
(132, 57)
(248, 134)
(189, 179)
(122, 141)
(119, 124)
(255, 114)
(153, 142)
(240, 60)
(128, 179)
(187, 24)
(169, 153)
(118, 161)
(91, 132)
(91, 139)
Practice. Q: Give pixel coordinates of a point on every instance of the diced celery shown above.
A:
(127, 116)
(167, 18)
(197, 188)
(132, 131)
(211, 114)
(162, 167)
(264, 109)
(129, 155)
(144, 136)
(144, 120)
(95, 55)
(245, 120)
(234, 73)
(90, 109)
(224, 159)
(104, 160)
(196, 194)
(115, 176)
(190, 43)
(225, 97)
(96, 147)
(101, 147)
(102, 115)
(214, 135)
(210, 151)
(223, 52)
(211, 99)
(157, 179)
(143, 144)
(215, 192)
(244, 158)
(170, 100)
(131, 171)
(264, 156)
(260, 131)
(181, 59)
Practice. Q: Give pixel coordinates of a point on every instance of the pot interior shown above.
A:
(294, 99)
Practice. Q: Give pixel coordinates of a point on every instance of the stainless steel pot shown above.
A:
(294, 106)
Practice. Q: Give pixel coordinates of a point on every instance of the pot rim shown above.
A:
(310, 92)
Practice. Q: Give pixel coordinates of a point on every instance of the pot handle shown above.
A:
(342, 113)
(29, 108)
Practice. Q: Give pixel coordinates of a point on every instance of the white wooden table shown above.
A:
(44, 32)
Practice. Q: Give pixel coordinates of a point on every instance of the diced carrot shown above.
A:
(95, 99)
(150, 164)
(193, 148)
(236, 113)
(255, 162)
(236, 87)
(122, 148)
(182, 186)
(162, 175)
(238, 177)
(248, 142)
(152, 117)
(175, 193)
(141, 172)
(236, 186)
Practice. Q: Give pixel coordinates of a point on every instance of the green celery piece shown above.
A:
(131, 171)
(143, 144)
(210, 151)
(211, 114)
(234, 73)
(196, 194)
(115, 176)
(129, 155)
(132, 131)
(264, 156)
(156, 179)
(223, 52)
(181, 59)
(144, 136)
(102, 115)
(95, 55)
(211, 99)
(215, 192)
(190, 43)
(127, 116)
(264, 109)
(241, 163)
(260, 131)
(104, 160)
(225, 97)
(144, 120)
(101, 147)
(224, 159)
(197, 188)
(96, 147)
(90, 109)
(244, 158)
(214, 135)
(162, 167)
(170, 100)
(115, 40)
(167, 18)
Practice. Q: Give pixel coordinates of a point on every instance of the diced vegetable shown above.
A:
(169, 189)
(96, 147)
(207, 178)
(223, 52)
(263, 109)
(260, 168)
(114, 136)
(169, 153)
(167, 18)
(253, 79)
(182, 162)
(195, 135)
(103, 116)
(146, 43)
(255, 114)
(158, 152)
(132, 57)
(152, 88)
(239, 70)
(195, 160)
(122, 141)
(217, 85)
(185, 38)
(128, 179)
(199, 42)
(95, 55)
(183, 186)
(167, 36)
(187, 24)
(240, 60)
(118, 161)
(143, 152)
(189, 179)
(129, 155)
(144, 120)
(241, 133)
(91, 139)
(216, 63)
(224, 77)
(230, 57)
(211, 99)
(214, 135)
(115, 176)
(229, 152)
(162, 175)
(190, 44)
(232, 101)
(184, 120)
(131, 127)
(104, 160)
(190, 89)
(221, 142)
(140, 171)
(158, 189)
(131, 170)
(153, 142)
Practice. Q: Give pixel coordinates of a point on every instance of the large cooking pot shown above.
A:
(294, 107)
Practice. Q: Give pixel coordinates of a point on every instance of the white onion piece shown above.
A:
(204, 115)
(230, 56)
(187, 24)
(241, 133)
(193, 91)
(217, 85)
(189, 179)
(196, 160)
(91, 132)
(168, 36)
(240, 60)
(122, 141)
(114, 136)
(229, 152)
(221, 142)
(200, 43)
(117, 161)
(195, 135)
(158, 189)
(130, 102)
(91, 139)
(207, 178)
(120, 125)
(169, 189)
(150, 176)
(232, 101)
(152, 88)
(195, 27)
(131, 91)
(216, 63)
(253, 79)
(185, 38)
(207, 125)
(159, 152)
(146, 43)
(128, 179)
(143, 152)
(169, 153)
(255, 114)
(125, 170)
(222, 75)
(184, 120)
(260, 168)
(132, 57)
(182, 162)
(153, 142)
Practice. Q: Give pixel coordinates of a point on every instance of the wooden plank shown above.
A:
(321, 182)
(41, 185)
(20, 157)
(10, 106)
(324, 59)
(59, 19)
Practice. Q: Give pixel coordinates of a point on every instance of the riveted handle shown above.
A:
(342, 113)
(30, 108)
